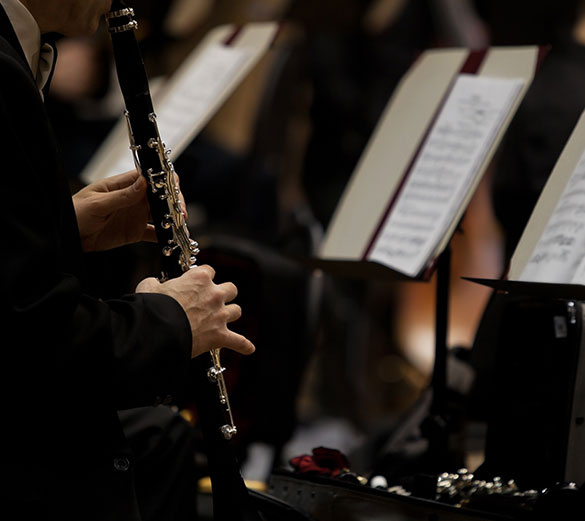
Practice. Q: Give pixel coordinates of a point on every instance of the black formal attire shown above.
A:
(69, 362)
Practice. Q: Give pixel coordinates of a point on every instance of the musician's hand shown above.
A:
(207, 306)
(113, 212)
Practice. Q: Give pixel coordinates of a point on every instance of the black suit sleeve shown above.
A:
(68, 346)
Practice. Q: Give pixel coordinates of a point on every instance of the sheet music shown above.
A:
(180, 110)
(559, 254)
(444, 171)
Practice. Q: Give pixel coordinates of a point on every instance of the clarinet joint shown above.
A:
(127, 12)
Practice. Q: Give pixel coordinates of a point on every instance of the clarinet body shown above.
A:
(178, 254)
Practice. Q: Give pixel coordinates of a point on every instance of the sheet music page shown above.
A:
(444, 171)
(559, 254)
(180, 109)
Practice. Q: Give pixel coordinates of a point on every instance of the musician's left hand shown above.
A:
(113, 212)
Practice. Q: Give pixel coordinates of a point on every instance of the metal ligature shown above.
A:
(178, 255)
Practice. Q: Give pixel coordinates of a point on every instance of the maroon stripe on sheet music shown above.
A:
(543, 51)
(473, 62)
(470, 66)
(277, 33)
(230, 39)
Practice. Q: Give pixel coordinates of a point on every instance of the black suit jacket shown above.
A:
(68, 361)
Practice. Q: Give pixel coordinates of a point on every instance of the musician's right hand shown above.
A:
(208, 306)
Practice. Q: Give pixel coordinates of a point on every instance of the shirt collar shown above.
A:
(26, 29)
(40, 58)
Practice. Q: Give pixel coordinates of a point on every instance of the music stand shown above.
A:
(427, 104)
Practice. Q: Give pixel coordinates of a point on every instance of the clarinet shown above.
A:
(178, 255)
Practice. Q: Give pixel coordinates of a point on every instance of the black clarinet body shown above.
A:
(177, 250)
(231, 499)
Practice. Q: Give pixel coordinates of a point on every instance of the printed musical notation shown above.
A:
(185, 105)
(191, 96)
(444, 171)
(182, 107)
(214, 70)
(559, 254)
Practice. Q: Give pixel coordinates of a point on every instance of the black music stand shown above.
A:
(429, 416)
(435, 425)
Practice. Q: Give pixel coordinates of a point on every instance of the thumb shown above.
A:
(129, 195)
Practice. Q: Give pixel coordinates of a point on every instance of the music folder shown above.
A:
(424, 160)
(192, 95)
(549, 260)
